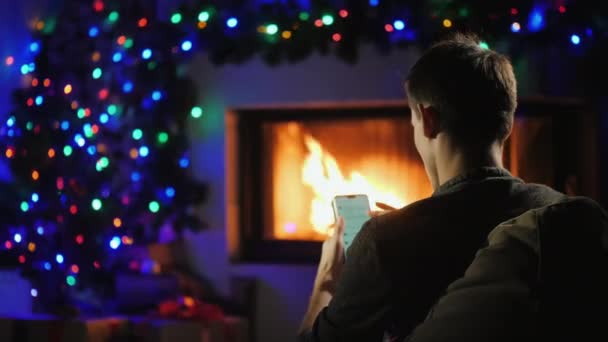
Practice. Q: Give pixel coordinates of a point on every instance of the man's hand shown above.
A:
(385, 208)
(328, 274)
(332, 259)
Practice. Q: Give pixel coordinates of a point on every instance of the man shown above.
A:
(462, 99)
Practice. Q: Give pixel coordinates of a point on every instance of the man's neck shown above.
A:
(456, 162)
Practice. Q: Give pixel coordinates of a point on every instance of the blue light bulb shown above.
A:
(35, 197)
(59, 258)
(184, 162)
(399, 25)
(144, 151)
(575, 39)
(170, 192)
(186, 45)
(232, 22)
(93, 31)
(117, 57)
(127, 87)
(146, 54)
(115, 242)
(47, 266)
(34, 46)
(157, 95)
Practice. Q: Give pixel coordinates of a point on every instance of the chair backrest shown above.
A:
(573, 271)
(542, 277)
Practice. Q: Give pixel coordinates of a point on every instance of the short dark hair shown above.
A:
(473, 89)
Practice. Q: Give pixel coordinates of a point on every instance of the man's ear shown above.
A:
(430, 121)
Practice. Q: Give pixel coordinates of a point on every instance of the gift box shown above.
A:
(52, 329)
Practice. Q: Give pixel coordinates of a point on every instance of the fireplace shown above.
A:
(285, 164)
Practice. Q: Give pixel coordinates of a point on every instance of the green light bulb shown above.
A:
(272, 29)
(154, 206)
(327, 19)
(113, 16)
(163, 137)
(67, 150)
(97, 73)
(203, 16)
(96, 204)
(176, 18)
(196, 112)
(137, 134)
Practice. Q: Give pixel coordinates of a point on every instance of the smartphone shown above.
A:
(354, 209)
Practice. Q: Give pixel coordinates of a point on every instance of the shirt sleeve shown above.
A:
(360, 306)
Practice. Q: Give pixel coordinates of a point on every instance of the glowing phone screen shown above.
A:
(354, 209)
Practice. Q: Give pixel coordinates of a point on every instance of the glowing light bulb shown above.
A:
(184, 162)
(59, 258)
(117, 57)
(336, 37)
(170, 192)
(272, 29)
(447, 23)
(374, 3)
(40, 230)
(484, 45)
(304, 16)
(327, 19)
(127, 87)
(399, 25)
(93, 31)
(34, 293)
(176, 18)
(113, 16)
(186, 45)
(232, 22)
(575, 39)
(115, 242)
(162, 137)
(67, 89)
(39, 100)
(144, 151)
(154, 207)
(17, 237)
(196, 112)
(137, 134)
(35, 197)
(146, 54)
(35, 46)
(47, 266)
(536, 21)
(96, 73)
(142, 22)
(203, 16)
(96, 204)
(70, 280)
(24, 206)
(515, 27)
(157, 95)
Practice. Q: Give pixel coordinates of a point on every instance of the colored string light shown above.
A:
(186, 45)
(232, 22)
(113, 16)
(176, 18)
(327, 19)
(154, 207)
(447, 23)
(575, 39)
(196, 112)
(515, 27)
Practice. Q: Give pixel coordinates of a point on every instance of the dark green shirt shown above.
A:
(401, 263)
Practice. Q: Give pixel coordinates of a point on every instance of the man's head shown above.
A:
(462, 94)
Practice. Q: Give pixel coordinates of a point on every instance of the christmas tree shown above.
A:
(97, 144)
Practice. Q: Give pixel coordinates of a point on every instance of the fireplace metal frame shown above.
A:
(244, 211)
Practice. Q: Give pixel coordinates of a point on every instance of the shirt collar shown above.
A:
(471, 176)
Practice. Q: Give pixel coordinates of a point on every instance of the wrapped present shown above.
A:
(52, 329)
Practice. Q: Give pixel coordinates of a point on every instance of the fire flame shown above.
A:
(321, 172)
